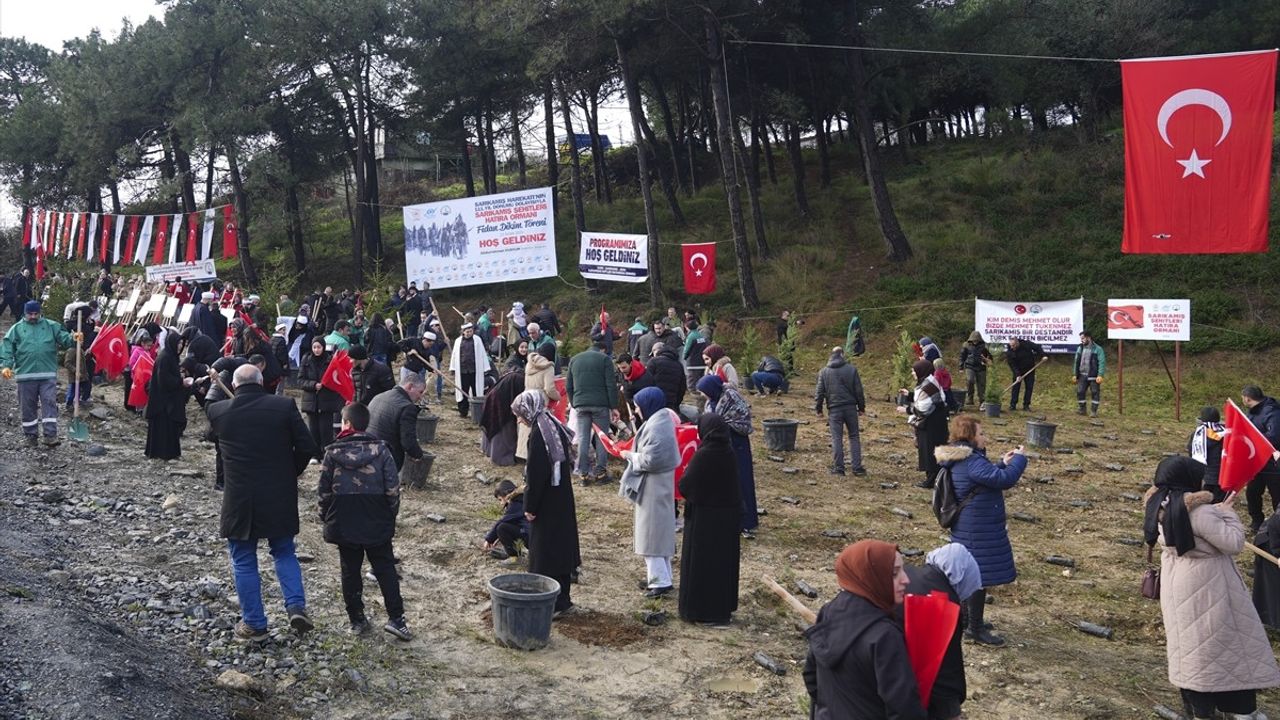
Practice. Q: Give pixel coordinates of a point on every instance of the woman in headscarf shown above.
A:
(858, 665)
(720, 364)
(167, 406)
(649, 483)
(497, 423)
(928, 415)
(539, 376)
(950, 569)
(724, 400)
(519, 358)
(319, 403)
(982, 525)
(1219, 655)
(713, 510)
(548, 498)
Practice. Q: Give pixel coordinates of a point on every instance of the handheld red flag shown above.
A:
(929, 624)
(141, 375)
(699, 268)
(560, 408)
(229, 247)
(686, 439)
(337, 377)
(604, 321)
(110, 350)
(1197, 152)
(1245, 450)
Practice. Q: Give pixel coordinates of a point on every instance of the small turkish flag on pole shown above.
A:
(111, 351)
(699, 268)
(1197, 152)
(337, 377)
(1245, 450)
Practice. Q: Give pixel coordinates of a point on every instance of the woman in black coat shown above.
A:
(318, 403)
(713, 513)
(548, 498)
(950, 569)
(928, 415)
(167, 406)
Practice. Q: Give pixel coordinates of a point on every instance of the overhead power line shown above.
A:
(918, 51)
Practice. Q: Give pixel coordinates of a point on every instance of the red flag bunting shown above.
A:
(229, 247)
(699, 268)
(193, 239)
(106, 234)
(1245, 450)
(1197, 152)
(160, 240)
(66, 232)
(140, 377)
(131, 238)
(929, 622)
(83, 235)
(337, 377)
(111, 351)
(26, 227)
(40, 261)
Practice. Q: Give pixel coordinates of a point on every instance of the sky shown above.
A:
(52, 22)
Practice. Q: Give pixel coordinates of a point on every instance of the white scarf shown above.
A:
(1200, 440)
(482, 366)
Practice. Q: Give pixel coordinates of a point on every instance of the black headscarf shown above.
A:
(1175, 476)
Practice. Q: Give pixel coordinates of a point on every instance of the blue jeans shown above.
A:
(769, 381)
(244, 566)
(588, 416)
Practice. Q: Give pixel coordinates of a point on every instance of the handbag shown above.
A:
(1151, 579)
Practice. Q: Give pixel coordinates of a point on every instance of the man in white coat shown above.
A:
(469, 363)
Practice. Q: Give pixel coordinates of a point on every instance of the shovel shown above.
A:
(79, 429)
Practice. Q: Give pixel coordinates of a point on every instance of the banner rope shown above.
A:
(918, 51)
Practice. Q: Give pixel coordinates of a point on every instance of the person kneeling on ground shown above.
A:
(359, 499)
(501, 539)
(770, 376)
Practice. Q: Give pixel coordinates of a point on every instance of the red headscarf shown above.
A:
(865, 569)
(714, 352)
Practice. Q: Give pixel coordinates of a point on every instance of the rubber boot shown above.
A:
(977, 630)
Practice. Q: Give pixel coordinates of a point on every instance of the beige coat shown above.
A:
(539, 374)
(1215, 641)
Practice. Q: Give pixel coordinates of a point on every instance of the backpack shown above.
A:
(945, 506)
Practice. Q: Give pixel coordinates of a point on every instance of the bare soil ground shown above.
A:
(101, 585)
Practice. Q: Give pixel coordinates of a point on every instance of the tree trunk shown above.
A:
(491, 155)
(767, 148)
(464, 150)
(668, 127)
(797, 168)
(634, 105)
(752, 171)
(169, 172)
(575, 170)
(553, 154)
(187, 183)
(293, 227)
(824, 154)
(899, 248)
(687, 137)
(242, 215)
(208, 177)
(115, 196)
(482, 152)
(668, 189)
(522, 169)
(728, 167)
(373, 231)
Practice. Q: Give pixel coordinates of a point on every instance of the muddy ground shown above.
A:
(118, 601)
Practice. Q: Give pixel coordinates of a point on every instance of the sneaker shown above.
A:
(313, 461)
(926, 484)
(399, 628)
(859, 471)
(499, 553)
(360, 627)
(254, 635)
(299, 621)
(601, 478)
(658, 591)
(52, 441)
(582, 480)
(984, 637)
(571, 610)
(836, 471)
(748, 534)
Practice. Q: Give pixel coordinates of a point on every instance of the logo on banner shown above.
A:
(1020, 309)
(1124, 317)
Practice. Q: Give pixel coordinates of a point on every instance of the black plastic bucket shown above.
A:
(1040, 434)
(477, 408)
(992, 408)
(780, 434)
(427, 427)
(414, 473)
(523, 604)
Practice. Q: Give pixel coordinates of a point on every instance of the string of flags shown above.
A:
(128, 239)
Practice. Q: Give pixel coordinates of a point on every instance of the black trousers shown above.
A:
(468, 383)
(508, 534)
(1206, 704)
(1268, 481)
(383, 562)
(562, 601)
(1027, 385)
(321, 426)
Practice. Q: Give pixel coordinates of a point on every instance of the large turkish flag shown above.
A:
(1197, 152)
(699, 268)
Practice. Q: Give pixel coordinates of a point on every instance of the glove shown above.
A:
(6, 373)
(77, 336)
(1098, 380)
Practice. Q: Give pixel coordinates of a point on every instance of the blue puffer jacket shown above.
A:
(981, 525)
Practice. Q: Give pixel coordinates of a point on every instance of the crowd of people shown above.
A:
(631, 393)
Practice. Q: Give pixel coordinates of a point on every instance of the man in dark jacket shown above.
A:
(840, 387)
(591, 385)
(634, 376)
(393, 419)
(659, 334)
(770, 376)
(667, 373)
(372, 378)
(265, 447)
(1264, 413)
(202, 314)
(359, 498)
(547, 320)
(201, 346)
(603, 331)
(1023, 356)
(975, 358)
